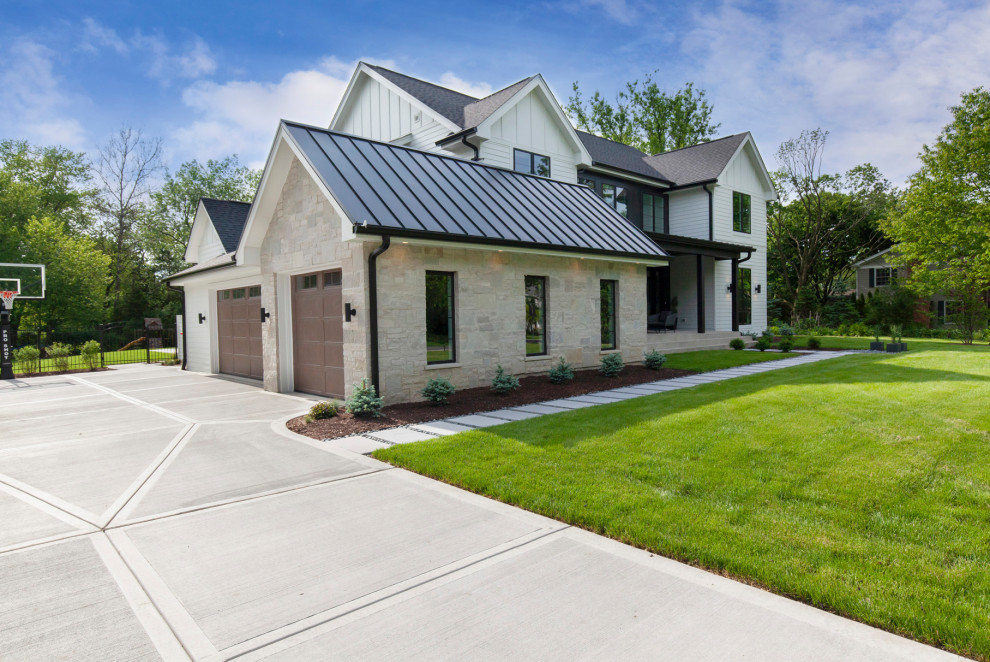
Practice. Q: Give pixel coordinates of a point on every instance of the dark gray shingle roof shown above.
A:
(618, 155)
(462, 109)
(228, 217)
(385, 188)
(698, 163)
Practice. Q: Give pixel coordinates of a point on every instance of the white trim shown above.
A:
(621, 174)
(656, 262)
(748, 140)
(856, 265)
(286, 355)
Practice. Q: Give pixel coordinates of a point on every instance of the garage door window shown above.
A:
(224, 295)
(254, 292)
(331, 279)
(306, 282)
(238, 294)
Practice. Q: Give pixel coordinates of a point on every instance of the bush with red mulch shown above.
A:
(534, 388)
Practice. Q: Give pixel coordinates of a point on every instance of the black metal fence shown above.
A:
(39, 350)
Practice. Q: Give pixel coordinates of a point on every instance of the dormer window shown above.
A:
(530, 163)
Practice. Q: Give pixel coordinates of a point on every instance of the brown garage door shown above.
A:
(239, 331)
(318, 333)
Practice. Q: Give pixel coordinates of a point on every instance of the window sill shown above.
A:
(609, 351)
(441, 366)
(541, 357)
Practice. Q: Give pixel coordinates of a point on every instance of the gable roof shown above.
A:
(697, 163)
(228, 218)
(618, 155)
(462, 109)
(389, 189)
(872, 257)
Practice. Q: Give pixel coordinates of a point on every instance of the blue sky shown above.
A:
(213, 78)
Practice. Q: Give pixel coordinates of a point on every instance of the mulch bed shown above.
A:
(534, 388)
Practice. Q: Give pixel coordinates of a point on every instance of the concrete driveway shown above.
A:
(149, 513)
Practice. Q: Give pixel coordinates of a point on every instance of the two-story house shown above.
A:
(429, 233)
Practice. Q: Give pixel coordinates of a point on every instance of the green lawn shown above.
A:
(860, 342)
(860, 485)
(76, 362)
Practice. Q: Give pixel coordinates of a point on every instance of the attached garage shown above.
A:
(318, 333)
(239, 331)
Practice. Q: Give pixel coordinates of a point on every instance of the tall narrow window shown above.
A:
(744, 290)
(653, 213)
(741, 212)
(440, 317)
(616, 197)
(608, 314)
(533, 164)
(536, 315)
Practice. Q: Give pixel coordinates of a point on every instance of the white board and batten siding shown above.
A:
(379, 113)
(689, 213)
(531, 126)
(743, 174)
(210, 245)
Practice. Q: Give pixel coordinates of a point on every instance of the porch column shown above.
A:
(701, 293)
(735, 294)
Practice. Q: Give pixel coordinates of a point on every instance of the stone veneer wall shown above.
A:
(490, 314)
(305, 232)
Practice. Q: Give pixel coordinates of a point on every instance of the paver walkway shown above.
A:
(153, 514)
(371, 441)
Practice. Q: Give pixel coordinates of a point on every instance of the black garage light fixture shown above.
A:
(758, 289)
(264, 315)
(202, 318)
(349, 312)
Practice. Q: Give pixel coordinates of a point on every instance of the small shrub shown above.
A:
(28, 357)
(611, 365)
(323, 410)
(786, 330)
(654, 360)
(768, 334)
(60, 353)
(737, 343)
(859, 329)
(814, 343)
(438, 390)
(843, 330)
(90, 351)
(785, 345)
(503, 383)
(364, 401)
(763, 344)
(562, 372)
(774, 330)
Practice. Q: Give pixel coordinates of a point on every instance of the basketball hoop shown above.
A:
(7, 297)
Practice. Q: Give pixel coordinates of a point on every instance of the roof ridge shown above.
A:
(706, 142)
(455, 159)
(420, 80)
(206, 197)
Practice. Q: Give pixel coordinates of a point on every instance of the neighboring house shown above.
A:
(875, 272)
(428, 233)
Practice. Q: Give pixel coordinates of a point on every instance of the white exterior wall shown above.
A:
(742, 174)
(377, 112)
(529, 125)
(689, 213)
(210, 246)
(684, 286)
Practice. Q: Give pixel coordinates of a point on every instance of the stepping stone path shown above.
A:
(370, 441)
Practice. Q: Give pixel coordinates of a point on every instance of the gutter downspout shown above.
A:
(463, 136)
(373, 308)
(182, 291)
(711, 212)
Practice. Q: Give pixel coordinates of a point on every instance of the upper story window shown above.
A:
(616, 196)
(590, 183)
(653, 213)
(742, 212)
(533, 164)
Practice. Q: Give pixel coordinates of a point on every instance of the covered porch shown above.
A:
(699, 291)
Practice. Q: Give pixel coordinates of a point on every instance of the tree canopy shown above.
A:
(942, 226)
(646, 116)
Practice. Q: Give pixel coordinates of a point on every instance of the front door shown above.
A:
(318, 333)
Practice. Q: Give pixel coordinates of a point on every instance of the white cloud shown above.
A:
(33, 104)
(451, 80)
(241, 116)
(97, 36)
(192, 59)
(878, 77)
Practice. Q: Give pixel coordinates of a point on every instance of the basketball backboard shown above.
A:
(28, 280)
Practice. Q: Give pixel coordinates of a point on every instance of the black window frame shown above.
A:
(542, 280)
(742, 212)
(744, 294)
(658, 225)
(451, 315)
(612, 286)
(532, 162)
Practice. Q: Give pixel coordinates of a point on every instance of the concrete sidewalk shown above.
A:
(155, 514)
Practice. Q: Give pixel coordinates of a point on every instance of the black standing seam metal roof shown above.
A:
(407, 192)
(228, 218)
